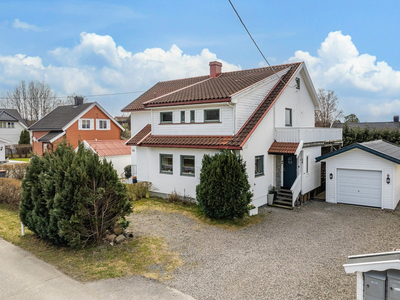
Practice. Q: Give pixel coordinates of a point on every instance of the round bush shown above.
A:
(224, 191)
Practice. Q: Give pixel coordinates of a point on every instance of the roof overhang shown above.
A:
(361, 147)
(279, 148)
(54, 137)
(310, 86)
(373, 262)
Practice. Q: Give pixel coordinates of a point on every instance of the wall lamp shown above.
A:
(330, 176)
(388, 179)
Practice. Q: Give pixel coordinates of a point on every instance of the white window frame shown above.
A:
(212, 121)
(91, 124)
(289, 123)
(98, 124)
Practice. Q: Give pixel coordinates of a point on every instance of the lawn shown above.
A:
(134, 257)
(20, 159)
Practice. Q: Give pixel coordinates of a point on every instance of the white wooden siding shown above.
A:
(396, 180)
(248, 100)
(12, 134)
(359, 160)
(139, 119)
(312, 179)
(224, 127)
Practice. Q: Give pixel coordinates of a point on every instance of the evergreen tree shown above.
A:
(24, 138)
(224, 190)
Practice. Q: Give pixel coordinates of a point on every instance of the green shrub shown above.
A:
(139, 190)
(174, 197)
(128, 171)
(72, 198)
(224, 191)
(16, 171)
(24, 138)
(10, 192)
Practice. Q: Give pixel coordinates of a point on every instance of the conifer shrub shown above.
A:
(24, 138)
(72, 198)
(224, 190)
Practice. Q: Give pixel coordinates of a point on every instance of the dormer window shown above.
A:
(211, 115)
(86, 124)
(166, 117)
(103, 124)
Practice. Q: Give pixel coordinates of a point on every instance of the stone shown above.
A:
(120, 239)
(111, 237)
(118, 229)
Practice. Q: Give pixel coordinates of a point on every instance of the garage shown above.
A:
(366, 174)
(359, 187)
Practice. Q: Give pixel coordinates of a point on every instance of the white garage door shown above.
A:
(359, 187)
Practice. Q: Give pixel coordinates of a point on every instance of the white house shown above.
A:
(114, 151)
(364, 174)
(3, 143)
(11, 125)
(266, 115)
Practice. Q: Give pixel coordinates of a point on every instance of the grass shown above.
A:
(141, 255)
(21, 159)
(194, 212)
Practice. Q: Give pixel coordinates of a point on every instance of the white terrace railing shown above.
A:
(307, 134)
(296, 189)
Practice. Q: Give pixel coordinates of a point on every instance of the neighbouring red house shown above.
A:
(74, 123)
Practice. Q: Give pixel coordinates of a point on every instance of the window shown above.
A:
(288, 117)
(182, 116)
(307, 159)
(192, 116)
(187, 165)
(166, 117)
(86, 124)
(259, 165)
(211, 115)
(166, 165)
(6, 124)
(103, 124)
(297, 83)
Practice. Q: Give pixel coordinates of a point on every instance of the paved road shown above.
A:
(23, 276)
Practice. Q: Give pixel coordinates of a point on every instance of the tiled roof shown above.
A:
(7, 114)
(51, 135)
(139, 136)
(283, 148)
(109, 147)
(160, 89)
(217, 142)
(216, 89)
(59, 117)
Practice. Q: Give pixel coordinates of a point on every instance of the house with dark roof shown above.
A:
(74, 123)
(11, 125)
(372, 125)
(266, 115)
(365, 174)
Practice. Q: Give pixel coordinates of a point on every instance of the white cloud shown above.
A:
(97, 65)
(384, 109)
(339, 63)
(25, 26)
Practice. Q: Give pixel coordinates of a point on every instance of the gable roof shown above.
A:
(160, 89)
(51, 136)
(379, 148)
(60, 118)
(144, 137)
(108, 147)
(12, 115)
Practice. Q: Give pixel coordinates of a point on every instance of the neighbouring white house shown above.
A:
(3, 143)
(266, 115)
(114, 151)
(364, 174)
(11, 125)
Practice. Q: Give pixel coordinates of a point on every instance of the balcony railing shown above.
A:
(307, 135)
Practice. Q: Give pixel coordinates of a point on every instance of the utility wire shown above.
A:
(89, 96)
(248, 32)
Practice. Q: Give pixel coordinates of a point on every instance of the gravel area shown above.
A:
(292, 254)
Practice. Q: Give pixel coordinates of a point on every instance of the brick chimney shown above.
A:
(215, 69)
(78, 101)
(396, 119)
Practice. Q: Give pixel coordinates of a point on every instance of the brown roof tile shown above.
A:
(216, 89)
(160, 89)
(283, 148)
(214, 142)
(139, 136)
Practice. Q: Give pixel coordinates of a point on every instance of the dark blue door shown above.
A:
(289, 170)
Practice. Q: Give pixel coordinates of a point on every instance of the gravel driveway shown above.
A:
(292, 254)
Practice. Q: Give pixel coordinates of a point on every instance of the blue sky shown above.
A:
(97, 47)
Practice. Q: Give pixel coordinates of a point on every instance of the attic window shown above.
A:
(297, 83)
(211, 115)
(166, 117)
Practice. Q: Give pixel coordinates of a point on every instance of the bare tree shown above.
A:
(329, 112)
(33, 100)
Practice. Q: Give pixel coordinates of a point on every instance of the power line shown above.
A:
(248, 32)
(89, 96)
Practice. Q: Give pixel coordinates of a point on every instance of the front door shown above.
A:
(289, 170)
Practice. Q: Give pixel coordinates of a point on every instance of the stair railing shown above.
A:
(296, 189)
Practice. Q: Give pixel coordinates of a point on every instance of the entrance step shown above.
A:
(282, 206)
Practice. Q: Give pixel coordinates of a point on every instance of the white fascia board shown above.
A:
(5, 141)
(372, 266)
(86, 145)
(299, 148)
(78, 116)
(310, 86)
(108, 115)
(272, 78)
(57, 137)
(373, 254)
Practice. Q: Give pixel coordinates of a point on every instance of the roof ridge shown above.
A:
(262, 68)
(185, 78)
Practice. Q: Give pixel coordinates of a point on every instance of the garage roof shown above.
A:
(379, 148)
(374, 261)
